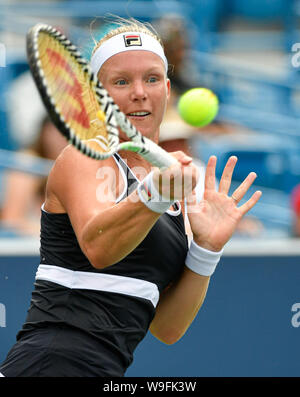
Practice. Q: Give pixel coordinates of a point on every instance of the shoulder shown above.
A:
(71, 162)
(76, 175)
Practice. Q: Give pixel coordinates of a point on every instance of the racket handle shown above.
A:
(157, 155)
(151, 152)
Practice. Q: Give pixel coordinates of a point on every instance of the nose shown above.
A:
(138, 92)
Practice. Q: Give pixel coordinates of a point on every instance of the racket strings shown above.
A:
(77, 102)
(115, 117)
(71, 91)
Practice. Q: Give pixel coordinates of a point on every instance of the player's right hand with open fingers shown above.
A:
(179, 180)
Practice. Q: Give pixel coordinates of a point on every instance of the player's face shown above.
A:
(137, 82)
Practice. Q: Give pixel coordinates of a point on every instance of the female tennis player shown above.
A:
(115, 258)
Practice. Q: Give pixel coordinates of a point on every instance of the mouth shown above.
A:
(139, 115)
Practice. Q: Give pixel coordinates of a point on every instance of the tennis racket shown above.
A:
(78, 104)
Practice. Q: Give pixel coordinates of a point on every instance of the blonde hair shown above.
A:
(128, 25)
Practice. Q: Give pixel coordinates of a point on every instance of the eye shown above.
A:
(121, 82)
(152, 79)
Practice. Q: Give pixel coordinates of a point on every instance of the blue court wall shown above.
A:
(249, 324)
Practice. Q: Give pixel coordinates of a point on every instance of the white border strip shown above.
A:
(99, 282)
(263, 247)
(123, 176)
(19, 246)
(236, 247)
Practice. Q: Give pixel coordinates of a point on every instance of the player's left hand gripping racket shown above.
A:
(78, 104)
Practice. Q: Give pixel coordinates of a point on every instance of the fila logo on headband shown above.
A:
(132, 40)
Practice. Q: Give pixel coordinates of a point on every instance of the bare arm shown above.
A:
(213, 222)
(118, 229)
(106, 231)
(178, 306)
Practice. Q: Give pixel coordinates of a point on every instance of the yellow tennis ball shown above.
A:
(198, 106)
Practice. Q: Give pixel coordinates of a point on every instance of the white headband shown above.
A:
(127, 41)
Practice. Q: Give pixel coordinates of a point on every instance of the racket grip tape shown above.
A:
(157, 155)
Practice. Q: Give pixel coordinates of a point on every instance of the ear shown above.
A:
(168, 83)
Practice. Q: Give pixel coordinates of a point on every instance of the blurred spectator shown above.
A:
(176, 38)
(295, 204)
(175, 134)
(34, 134)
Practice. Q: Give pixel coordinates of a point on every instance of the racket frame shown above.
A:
(113, 116)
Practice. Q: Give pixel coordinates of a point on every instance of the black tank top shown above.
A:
(115, 322)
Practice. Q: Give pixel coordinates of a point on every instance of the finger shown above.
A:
(210, 174)
(190, 176)
(240, 192)
(183, 158)
(226, 177)
(187, 160)
(251, 202)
